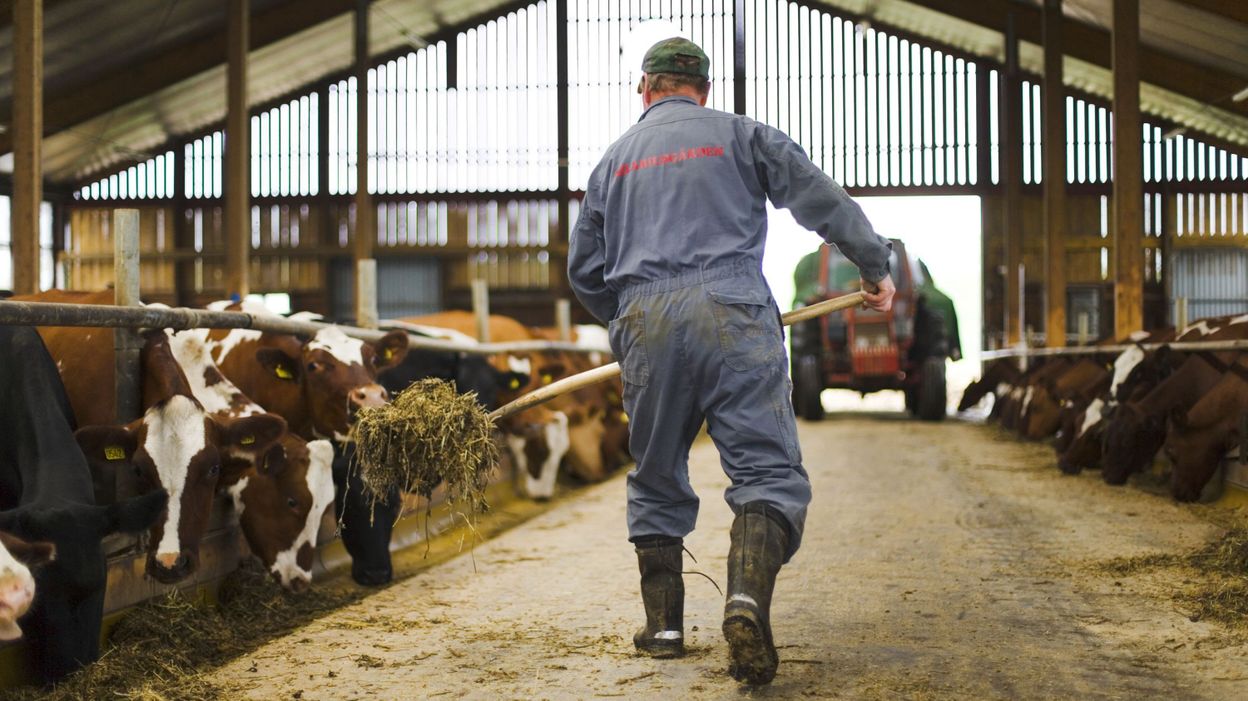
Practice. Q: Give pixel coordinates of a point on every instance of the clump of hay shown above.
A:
(429, 434)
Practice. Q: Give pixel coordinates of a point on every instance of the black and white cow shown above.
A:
(46, 494)
(367, 526)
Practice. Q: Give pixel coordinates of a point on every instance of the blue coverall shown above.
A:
(668, 249)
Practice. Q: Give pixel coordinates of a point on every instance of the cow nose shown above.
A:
(369, 395)
(174, 562)
(298, 585)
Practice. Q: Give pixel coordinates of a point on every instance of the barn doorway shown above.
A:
(943, 231)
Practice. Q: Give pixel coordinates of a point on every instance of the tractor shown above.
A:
(867, 351)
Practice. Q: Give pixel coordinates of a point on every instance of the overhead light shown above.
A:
(1173, 132)
(1240, 96)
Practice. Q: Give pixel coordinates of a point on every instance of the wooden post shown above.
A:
(126, 342)
(1010, 129)
(1054, 161)
(365, 211)
(237, 155)
(27, 143)
(481, 308)
(1128, 222)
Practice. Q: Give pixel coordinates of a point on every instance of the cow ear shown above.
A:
(31, 554)
(278, 363)
(390, 350)
(550, 372)
(251, 434)
(513, 381)
(274, 461)
(109, 444)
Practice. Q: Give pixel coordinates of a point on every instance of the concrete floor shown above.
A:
(940, 561)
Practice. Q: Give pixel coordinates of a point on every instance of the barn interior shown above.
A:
(1105, 143)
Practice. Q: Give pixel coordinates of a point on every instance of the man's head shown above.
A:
(675, 66)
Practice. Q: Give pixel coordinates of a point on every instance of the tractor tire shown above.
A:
(932, 399)
(807, 388)
(912, 400)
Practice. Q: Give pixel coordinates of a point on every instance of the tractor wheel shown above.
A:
(912, 400)
(932, 397)
(807, 386)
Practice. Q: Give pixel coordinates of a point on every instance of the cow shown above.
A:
(316, 383)
(1198, 439)
(1068, 392)
(537, 438)
(279, 499)
(17, 585)
(47, 495)
(176, 445)
(1014, 406)
(1138, 428)
(997, 379)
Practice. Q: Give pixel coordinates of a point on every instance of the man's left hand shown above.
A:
(879, 295)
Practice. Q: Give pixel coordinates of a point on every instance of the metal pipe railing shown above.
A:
(178, 318)
(1117, 348)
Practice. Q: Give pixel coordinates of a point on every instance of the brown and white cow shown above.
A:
(280, 496)
(176, 444)
(537, 438)
(1200, 438)
(1070, 391)
(997, 379)
(17, 585)
(315, 383)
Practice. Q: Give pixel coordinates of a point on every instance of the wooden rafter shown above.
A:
(75, 104)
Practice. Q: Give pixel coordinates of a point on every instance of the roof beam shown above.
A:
(76, 104)
(1092, 44)
(1231, 9)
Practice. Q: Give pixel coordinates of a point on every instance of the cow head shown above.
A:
(335, 375)
(179, 447)
(1194, 451)
(1130, 441)
(1042, 414)
(280, 503)
(17, 585)
(1084, 449)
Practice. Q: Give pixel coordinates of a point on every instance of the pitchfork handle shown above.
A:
(542, 395)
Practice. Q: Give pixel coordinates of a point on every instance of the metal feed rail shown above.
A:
(59, 314)
(1102, 350)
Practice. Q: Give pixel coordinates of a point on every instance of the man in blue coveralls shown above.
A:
(669, 250)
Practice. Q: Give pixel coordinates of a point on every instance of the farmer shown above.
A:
(669, 249)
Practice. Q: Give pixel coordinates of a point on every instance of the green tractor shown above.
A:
(867, 351)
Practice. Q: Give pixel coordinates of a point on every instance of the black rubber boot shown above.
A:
(760, 538)
(663, 592)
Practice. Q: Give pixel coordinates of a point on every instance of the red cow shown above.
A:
(315, 383)
(280, 500)
(175, 444)
(1201, 437)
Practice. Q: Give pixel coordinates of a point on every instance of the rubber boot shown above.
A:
(663, 593)
(760, 539)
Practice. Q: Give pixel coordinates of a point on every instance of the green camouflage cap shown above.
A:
(677, 55)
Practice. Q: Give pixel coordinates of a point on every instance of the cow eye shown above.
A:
(314, 366)
(290, 501)
(214, 470)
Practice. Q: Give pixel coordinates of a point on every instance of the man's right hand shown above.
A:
(879, 295)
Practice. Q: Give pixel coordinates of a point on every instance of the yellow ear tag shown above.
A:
(389, 353)
(114, 452)
(515, 384)
(283, 373)
(547, 379)
(247, 440)
(623, 418)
